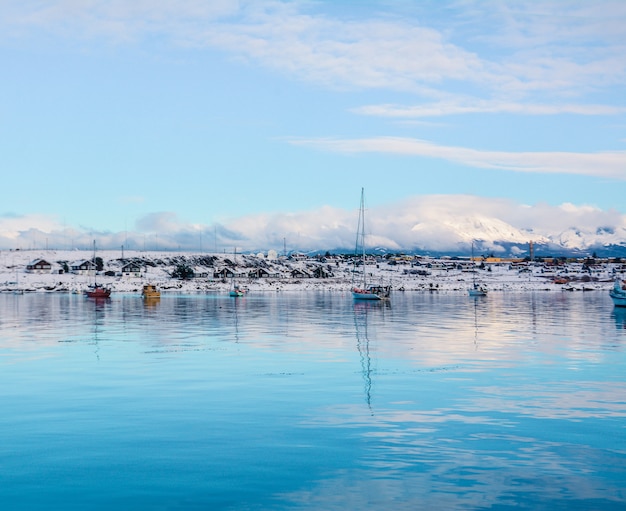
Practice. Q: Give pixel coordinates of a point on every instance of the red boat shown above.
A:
(98, 291)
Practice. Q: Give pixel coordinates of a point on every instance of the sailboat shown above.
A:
(363, 291)
(97, 290)
(476, 289)
(618, 293)
(236, 289)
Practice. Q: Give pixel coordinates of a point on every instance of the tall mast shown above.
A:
(362, 215)
(95, 266)
(473, 266)
(360, 234)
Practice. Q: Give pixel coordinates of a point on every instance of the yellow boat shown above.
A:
(150, 291)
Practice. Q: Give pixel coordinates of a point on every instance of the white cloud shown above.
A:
(435, 222)
(165, 222)
(502, 50)
(608, 164)
(116, 20)
(455, 107)
(12, 226)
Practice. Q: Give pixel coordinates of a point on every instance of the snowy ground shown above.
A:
(501, 277)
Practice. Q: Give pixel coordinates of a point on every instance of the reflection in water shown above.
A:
(235, 305)
(99, 314)
(475, 304)
(619, 313)
(512, 401)
(361, 310)
(151, 302)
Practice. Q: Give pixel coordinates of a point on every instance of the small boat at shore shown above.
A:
(372, 293)
(98, 291)
(477, 290)
(150, 291)
(618, 293)
(238, 290)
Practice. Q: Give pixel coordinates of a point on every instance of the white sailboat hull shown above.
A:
(618, 293)
(477, 292)
(359, 295)
(372, 293)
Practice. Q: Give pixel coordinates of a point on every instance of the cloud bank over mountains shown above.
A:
(434, 223)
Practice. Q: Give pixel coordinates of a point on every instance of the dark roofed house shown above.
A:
(131, 270)
(200, 272)
(39, 266)
(300, 274)
(82, 267)
(321, 273)
(258, 273)
(227, 273)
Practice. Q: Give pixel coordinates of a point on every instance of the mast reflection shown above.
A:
(362, 309)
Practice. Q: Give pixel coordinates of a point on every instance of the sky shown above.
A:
(253, 125)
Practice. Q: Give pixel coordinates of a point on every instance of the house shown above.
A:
(297, 256)
(227, 273)
(224, 273)
(200, 272)
(300, 274)
(322, 273)
(82, 267)
(131, 270)
(258, 273)
(39, 266)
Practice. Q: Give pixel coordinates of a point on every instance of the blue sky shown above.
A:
(201, 124)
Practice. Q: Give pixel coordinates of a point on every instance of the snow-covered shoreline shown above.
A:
(289, 274)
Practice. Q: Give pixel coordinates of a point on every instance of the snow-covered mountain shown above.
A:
(496, 235)
(428, 224)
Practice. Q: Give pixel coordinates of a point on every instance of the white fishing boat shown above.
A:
(361, 290)
(618, 293)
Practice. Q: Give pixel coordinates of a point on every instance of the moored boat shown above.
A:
(476, 289)
(98, 291)
(372, 293)
(363, 291)
(238, 290)
(235, 288)
(150, 291)
(618, 293)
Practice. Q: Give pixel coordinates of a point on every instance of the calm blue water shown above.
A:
(309, 401)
